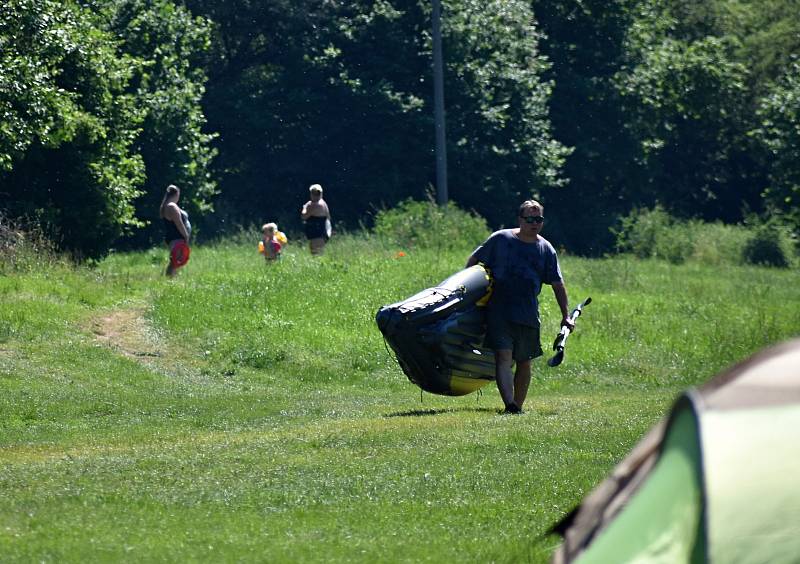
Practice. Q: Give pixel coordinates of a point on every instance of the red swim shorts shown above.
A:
(179, 255)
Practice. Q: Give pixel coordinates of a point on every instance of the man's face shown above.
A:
(315, 196)
(531, 221)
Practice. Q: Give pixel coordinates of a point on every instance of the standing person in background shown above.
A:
(520, 261)
(177, 229)
(317, 218)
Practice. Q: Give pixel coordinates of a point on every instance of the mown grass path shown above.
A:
(128, 332)
(251, 412)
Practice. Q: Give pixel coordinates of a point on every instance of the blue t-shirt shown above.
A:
(518, 269)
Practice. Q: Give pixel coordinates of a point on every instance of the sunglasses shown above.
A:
(532, 218)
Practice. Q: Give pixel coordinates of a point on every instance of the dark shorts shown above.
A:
(523, 341)
(315, 228)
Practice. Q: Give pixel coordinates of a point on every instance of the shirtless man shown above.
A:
(316, 215)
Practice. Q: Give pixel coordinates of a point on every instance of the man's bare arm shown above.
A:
(173, 213)
(560, 292)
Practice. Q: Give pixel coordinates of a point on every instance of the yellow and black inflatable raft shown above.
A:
(437, 334)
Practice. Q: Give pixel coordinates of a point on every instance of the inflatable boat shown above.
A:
(437, 334)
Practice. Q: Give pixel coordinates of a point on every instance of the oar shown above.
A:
(561, 338)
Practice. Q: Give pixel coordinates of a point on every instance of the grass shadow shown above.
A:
(443, 411)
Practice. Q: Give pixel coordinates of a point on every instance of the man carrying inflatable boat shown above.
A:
(520, 261)
(472, 328)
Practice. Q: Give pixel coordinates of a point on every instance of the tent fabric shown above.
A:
(674, 533)
(745, 487)
(752, 475)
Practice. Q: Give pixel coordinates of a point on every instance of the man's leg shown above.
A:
(504, 375)
(522, 379)
(317, 245)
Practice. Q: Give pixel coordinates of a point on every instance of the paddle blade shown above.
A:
(556, 360)
(561, 339)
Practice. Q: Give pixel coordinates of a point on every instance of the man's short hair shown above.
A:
(530, 204)
(315, 189)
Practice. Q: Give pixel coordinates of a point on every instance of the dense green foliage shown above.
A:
(656, 234)
(658, 99)
(251, 412)
(68, 124)
(413, 224)
(595, 107)
(169, 87)
(685, 103)
(780, 133)
(340, 93)
(100, 106)
(585, 43)
(771, 244)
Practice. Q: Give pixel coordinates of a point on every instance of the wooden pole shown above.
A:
(438, 96)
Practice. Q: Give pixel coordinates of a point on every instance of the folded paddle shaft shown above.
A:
(561, 338)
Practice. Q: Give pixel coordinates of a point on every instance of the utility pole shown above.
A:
(438, 104)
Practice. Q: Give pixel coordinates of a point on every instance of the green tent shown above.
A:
(718, 480)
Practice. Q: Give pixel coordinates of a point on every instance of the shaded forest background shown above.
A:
(596, 107)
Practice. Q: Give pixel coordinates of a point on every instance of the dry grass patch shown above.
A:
(128, 332)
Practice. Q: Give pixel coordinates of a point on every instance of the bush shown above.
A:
(426, 225)
(717, 243)
(770, 244)
(654, 233)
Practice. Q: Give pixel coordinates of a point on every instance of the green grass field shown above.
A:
(252, 412)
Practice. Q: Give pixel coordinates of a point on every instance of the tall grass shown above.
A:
(654, 233)
(246, 411)
(24, 246)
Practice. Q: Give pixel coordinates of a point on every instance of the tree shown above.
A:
(779, 131)
(68, 125)
(687, 106)
(263, 97)
(100, 105)
(502, 147)
(726, 65)
(657, 99)
(168, 84)
(585, 41)
(764, 34)
(340, 93)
